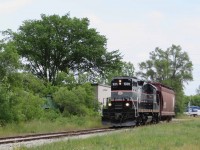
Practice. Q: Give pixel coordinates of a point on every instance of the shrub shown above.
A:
(78, 101)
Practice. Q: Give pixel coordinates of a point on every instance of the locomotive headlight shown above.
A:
(127, 104)
(109, 104)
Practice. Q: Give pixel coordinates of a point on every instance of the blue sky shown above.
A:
(135, 27)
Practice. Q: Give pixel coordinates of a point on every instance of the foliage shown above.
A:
(128, 69)
(78, 101)
(66, 79)
(17, 90)
(33, 84)
(59, 43)
(9, 79)
(26, 105)
(124, 69)
(9, 64)
(198, 90)
(90, 100)
(165, 65)
(193, 100)
(171, 67)
(18, 106)
(55, 52)
(6, 114)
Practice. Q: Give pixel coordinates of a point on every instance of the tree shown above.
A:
(9, 64)
(33, 84)
(124, 69)
(194, 100)
(171, 67)
(198, 90)
(128, 69)
(169, 64)
(58, 44)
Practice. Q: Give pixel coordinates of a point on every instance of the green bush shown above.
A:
(78, 101)
(19, 105)
(26, 105)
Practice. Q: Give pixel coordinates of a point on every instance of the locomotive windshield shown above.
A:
(122, 84)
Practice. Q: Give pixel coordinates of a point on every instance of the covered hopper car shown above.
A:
(135, 102)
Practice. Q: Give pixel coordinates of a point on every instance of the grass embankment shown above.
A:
(181, 135)
(45, 126)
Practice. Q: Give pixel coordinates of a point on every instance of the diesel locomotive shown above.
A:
(136, 102)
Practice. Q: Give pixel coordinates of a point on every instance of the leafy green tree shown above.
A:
(59, 43)
(169, 64)
(124, 69)
(128, 69)
(33, 84)
(19, 91)
(85, 77)
(9, 79)
(193, 100)
(9, 64)
(198, 90)
(171, 67)
(66, 79)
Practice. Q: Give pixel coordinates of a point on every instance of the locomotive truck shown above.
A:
(136, 102)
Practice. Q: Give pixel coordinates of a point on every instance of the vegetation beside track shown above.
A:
(180, 135)
(46, 126)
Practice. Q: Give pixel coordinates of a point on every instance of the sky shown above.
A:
(135, 27)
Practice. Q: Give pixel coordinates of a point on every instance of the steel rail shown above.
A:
(18, 139)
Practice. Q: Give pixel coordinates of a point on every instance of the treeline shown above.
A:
(60, 56)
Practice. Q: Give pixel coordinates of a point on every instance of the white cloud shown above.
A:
(11, 6)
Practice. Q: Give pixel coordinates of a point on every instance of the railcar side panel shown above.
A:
(168, 101)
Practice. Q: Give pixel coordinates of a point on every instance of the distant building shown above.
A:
(102, 92)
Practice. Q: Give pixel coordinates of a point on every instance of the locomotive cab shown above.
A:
(148, 108)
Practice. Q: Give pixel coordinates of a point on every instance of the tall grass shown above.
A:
(42, 126)
(183, 135)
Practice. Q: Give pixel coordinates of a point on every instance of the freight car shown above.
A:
(135, 102)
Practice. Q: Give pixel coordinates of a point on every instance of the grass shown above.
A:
(181, 135)
(43, 126)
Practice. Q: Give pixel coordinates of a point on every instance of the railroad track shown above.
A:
(33, 137)
(7, 143)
